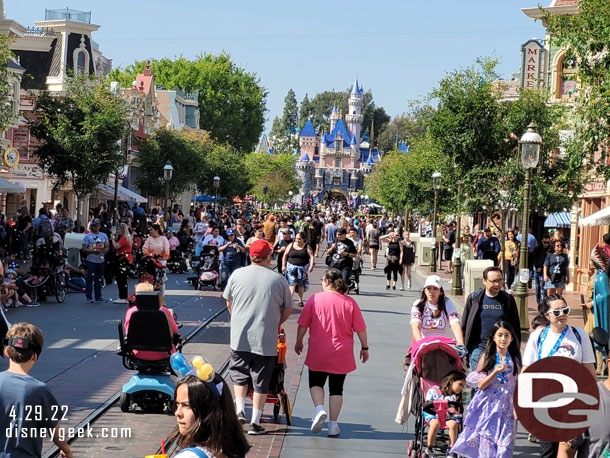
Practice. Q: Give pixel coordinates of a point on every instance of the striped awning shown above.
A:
(559, 219)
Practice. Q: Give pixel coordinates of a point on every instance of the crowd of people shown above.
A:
(252, 244)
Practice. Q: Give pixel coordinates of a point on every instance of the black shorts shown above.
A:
(335, 381)
(245, 367)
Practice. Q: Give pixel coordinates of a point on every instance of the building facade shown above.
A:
(334, 165)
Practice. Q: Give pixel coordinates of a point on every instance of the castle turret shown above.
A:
(334, 117)
(354, 117)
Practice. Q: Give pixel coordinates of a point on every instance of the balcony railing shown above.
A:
(72, 15)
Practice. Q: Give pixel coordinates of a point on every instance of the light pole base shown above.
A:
(521, 295)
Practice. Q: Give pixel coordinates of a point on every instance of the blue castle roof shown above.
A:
(404, 147)
(367, 155)
(308, 130)
(339, 129)
(305, 158)
(356, 88)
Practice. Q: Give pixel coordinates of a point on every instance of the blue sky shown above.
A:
(399, 49)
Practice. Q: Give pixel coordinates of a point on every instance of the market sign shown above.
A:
(532, 64)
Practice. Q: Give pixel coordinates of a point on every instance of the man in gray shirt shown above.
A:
(259, 301)
(599, 433)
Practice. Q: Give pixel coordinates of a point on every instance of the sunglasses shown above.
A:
(558, 312)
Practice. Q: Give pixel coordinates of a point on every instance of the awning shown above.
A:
(559, 219)
(122, 192)
(8, 187)
(600, 218)
(203, 198)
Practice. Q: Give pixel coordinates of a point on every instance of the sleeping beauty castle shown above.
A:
(333, 165)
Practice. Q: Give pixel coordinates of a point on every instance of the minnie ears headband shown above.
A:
(199, 368)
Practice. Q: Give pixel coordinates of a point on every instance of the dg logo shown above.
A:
(556, 399)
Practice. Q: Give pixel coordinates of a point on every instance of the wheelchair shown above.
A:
(152, 388)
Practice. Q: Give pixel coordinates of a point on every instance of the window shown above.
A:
(316, 151)
(21, 137)
(338, 145)
(568, 80)
(338, 163)
(81, 60)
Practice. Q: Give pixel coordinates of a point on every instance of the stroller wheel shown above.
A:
(286, 408)
(125, 402)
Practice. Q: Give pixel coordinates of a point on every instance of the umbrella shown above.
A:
(600, 218)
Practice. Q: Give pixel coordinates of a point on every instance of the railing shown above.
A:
(188, 95)
(39, 31)
(72, 15)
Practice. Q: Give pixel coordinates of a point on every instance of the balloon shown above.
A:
(180, 364)
(206, 372)
(198, 362)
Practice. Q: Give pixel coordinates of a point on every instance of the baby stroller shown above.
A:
(429, 361)
(177, 262)
(277, 394)
(48, 275)
(208, 267)
(151, 268)
(354, 278)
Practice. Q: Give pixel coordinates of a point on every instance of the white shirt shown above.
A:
(210, 240)
(569, 346)
(430, 326)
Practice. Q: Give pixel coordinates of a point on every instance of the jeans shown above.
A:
(226, 269)
(25, 245)
(475, 355)
(95, 273)
(540, 289)
(345, 273)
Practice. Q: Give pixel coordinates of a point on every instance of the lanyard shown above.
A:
(556, 346)
(501, 376)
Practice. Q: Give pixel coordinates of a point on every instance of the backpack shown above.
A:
(45, 229)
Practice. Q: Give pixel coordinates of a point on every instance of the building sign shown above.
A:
(596, 186)
(27, 171)
(532, 64)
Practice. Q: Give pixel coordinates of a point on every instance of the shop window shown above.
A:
(567, 78)
(21, 139)
(81, 61)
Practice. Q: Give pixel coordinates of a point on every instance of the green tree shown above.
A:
(585, 37)
(79, 132)
(284, 130)
(231, 100)
(168, 145)
(229, 165)
(305, 111)
(277, 171)
(405, 127)
(6, 91)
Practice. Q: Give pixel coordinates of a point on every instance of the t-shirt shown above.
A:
(569, 347)
(186, 453)
(599, 431)
(373, 236)
(258, 296)
(317, 227)
(173, 243)
(434, 327)
(556, 264)
(491, 313)
(95, 241)
(281, 230)
(331, 233)
(20, 398)
(332, 319)
(210, 240)
(232, 255)
(338, 261)
(200, 229)
(451, 237)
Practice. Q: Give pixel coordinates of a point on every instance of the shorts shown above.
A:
(548, 285)
(245, 367)
(457, 417)
(335, 381)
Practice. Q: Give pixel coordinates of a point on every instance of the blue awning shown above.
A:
(559, 219)
(204, 198)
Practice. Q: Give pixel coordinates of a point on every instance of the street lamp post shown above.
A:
(265, 189)
(456, 284)
(436, 184)
(168, 171)
(290, 194)
(529, 145)
(366, 199)
(216, 186)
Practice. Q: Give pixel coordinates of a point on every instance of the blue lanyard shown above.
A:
(501, 377)
(557, 344)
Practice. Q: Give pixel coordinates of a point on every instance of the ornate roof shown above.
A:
(305, 158)
(356, 88)
(339, 131)
(308, 130)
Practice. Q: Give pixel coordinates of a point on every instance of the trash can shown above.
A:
(424, 251)
(73, 243)
(473, 274)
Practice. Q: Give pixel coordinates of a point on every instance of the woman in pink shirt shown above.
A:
(332, 317)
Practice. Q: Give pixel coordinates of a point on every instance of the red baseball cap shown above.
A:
(260, 249)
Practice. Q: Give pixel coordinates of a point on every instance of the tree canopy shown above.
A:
(80, 132)
(284, 131)
(586, 40)
(6, 109)
(277, 171)
(232, 102)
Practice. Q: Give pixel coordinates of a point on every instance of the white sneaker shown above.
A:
(333, 430)
(318, 421)
(402, 288)
(121, 301)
